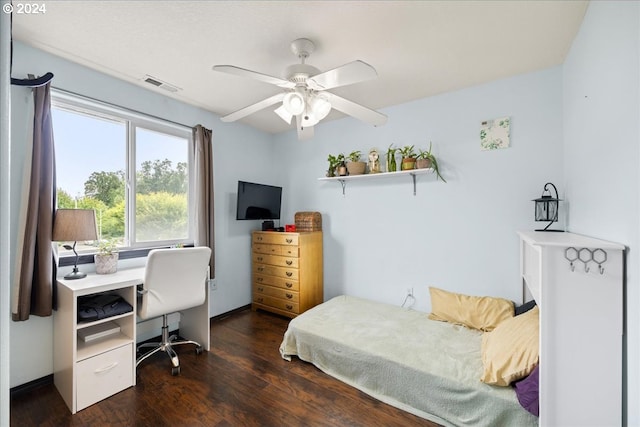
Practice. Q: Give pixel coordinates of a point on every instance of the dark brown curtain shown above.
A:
(36, 268)
(203, 162)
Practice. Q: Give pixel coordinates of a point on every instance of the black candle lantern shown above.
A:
(547, 206)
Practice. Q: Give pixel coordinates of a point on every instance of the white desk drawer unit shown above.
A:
(86, 372)
(101, 376)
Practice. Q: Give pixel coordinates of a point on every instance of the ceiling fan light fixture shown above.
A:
(309, 119)
(284, 113)
(294, 103)
(320, 107)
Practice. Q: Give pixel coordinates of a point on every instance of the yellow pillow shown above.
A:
(511, 351)
(483, 313)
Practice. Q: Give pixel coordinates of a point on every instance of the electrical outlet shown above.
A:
(213, 285)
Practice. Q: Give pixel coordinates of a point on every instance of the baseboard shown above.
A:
(229, 313)
(31, 385)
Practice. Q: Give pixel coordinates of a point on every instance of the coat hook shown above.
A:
(571, 254)
(601, 268)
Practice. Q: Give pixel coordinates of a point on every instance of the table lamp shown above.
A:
(73, 225)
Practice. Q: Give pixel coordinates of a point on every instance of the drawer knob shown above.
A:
(289, 307)
(260, 299)
(289, 240)
(259, 279)
(289, 274)
(289, 262)
(260, 289)
(259, 238)
(289, 296)
(260, 268)
(259, 258)
(288, 285)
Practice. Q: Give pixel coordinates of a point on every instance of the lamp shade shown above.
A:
(74, 224)
(284, 114)
(320, 106)
(294, 103)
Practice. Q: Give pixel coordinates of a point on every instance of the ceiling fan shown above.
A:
(304, 96)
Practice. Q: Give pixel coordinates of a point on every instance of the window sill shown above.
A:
(68, 261)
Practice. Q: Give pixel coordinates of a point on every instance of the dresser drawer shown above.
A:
(263, 248)
(275, 260)
(272, 270)
(275, 238)
(272, 291)
(104, 375)
(292, 307)
(263, 279)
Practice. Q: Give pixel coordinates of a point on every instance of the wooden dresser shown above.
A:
(287, 271)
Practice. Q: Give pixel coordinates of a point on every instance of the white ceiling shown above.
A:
(419, 48)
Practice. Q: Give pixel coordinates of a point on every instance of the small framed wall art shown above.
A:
(495, 134)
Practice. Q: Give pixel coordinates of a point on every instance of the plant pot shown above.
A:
(106, 264)
(342, 169)
(356, 168)
(423, 163)
(408, 163)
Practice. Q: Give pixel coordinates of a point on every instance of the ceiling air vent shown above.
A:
(159, 83)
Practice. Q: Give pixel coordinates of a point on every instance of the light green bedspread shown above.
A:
(431, 369)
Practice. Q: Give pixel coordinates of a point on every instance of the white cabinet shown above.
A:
(577, 282)
(87, 372)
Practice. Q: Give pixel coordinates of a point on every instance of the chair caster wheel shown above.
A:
(199, 350)
(175, 371)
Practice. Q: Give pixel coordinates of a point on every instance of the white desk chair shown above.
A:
(175, 279)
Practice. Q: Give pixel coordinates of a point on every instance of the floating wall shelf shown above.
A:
(413, 173)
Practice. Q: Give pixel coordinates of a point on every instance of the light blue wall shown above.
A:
(601, 142)
(31, 341)
(379, 239)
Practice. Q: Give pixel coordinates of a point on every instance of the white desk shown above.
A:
(85, 373)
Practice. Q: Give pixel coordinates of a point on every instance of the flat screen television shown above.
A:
(258, 201)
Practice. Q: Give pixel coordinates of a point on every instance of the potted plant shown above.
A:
(107, 257)
(333, 164)
(355, 166)
(391, 158)
(428, 160)
(408, 157)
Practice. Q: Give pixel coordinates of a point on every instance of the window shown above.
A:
(133, 170)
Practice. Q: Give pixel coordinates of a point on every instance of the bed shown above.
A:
(401, 357)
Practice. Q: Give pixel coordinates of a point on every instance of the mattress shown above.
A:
(399, 356)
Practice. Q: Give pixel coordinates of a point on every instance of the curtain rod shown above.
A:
(32, 81)
(131, 110)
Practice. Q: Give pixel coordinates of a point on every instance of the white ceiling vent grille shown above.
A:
(159, 83)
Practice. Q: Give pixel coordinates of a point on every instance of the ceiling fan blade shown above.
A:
(353, 72)
(253, 108)
(237, 71)
(356, 110)
(304, 133)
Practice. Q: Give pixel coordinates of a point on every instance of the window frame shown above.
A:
(132, 120)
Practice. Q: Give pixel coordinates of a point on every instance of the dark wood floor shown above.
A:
(241, 381)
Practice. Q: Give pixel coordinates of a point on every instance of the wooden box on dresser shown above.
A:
(287, 271)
